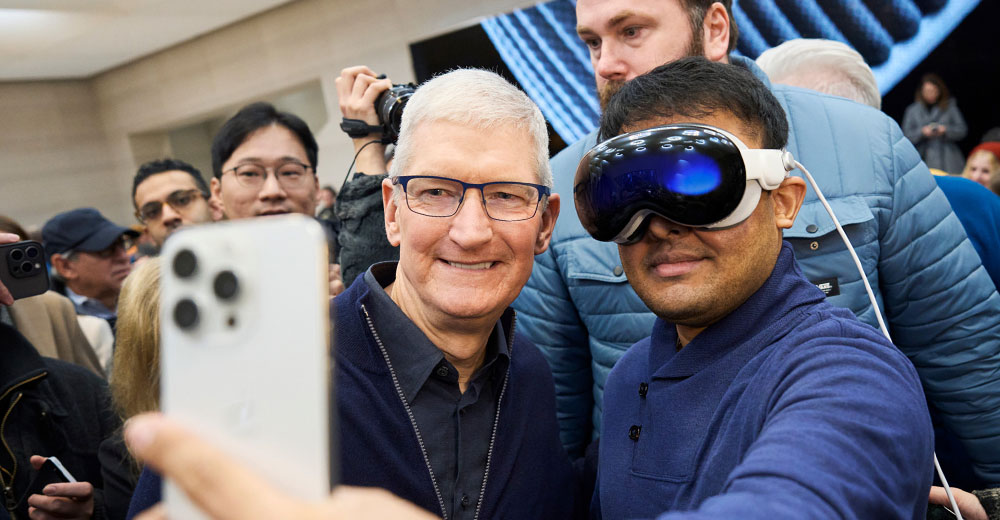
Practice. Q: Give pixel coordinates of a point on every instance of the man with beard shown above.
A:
(168, 194)
(939, 301)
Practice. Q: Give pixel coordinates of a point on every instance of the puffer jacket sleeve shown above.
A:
(943, 309)
(547, 316)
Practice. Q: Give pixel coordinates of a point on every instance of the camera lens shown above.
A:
(26, 267)
(226, 285)
(185, 263)
(16, 255)
(31, 251)
(186, 314)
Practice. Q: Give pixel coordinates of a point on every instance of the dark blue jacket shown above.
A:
(788, 407)
(978, 209)
(528, 474)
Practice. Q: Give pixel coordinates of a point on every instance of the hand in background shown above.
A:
(336, 280)
(357, 90)
(73, 500)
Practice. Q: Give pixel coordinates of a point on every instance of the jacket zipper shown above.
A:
(9, 486)
(413, 421)
(496, 420)
(409, 413)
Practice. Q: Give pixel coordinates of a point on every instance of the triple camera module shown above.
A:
(225, 286)
(23, 262)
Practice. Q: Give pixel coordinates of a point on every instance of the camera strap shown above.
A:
(357, 128)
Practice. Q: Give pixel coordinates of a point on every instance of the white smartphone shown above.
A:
(245, 357)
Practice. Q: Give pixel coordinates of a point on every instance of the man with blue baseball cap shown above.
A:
(88, 255)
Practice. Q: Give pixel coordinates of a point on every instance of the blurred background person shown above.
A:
(49, 321)
(983, 164)
(135, 379)
(934, 124)
(167, 194)
(89, 262)
(264, 163)
(325, 203)
(51, 409)
(826, 66)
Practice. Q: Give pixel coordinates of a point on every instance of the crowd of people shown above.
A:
(661, 321)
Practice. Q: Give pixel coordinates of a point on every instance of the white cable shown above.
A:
(878, 313)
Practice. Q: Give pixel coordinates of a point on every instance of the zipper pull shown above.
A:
(9, 502)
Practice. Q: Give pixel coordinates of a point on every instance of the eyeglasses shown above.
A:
(124, 243)
(442, 197)
(178, 200)
(290, 174)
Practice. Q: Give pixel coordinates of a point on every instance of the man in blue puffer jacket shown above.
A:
(941, 306)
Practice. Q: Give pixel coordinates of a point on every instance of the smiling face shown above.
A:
(627, 38)
(980, 167)
(466, 266)
(271, 146)
(694, 277)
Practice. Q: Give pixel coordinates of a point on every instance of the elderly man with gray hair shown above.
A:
(440, 402)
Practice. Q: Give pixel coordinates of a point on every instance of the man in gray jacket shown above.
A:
(940, 304)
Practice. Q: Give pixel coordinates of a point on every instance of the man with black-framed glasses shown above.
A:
(168, 194)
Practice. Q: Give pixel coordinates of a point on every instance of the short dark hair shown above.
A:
(697, 9)
(329, 188)
(151, 168)
(252, 118)
(696, 87)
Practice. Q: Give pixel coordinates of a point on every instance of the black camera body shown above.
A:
(389, 107)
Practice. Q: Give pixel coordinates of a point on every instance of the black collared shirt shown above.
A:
(455, 427)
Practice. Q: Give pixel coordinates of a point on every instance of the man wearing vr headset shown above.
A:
(939, 302)
(754, 397)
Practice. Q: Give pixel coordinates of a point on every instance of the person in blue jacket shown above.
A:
(940, 304)
(754, 397)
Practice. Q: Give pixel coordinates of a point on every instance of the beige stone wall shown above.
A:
(81, 141)
(53, 151)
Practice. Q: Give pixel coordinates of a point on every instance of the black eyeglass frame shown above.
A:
(159, 213)
(403, 180)
(273, 170)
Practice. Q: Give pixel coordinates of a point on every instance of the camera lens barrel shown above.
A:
(185, 263)
(389, 107)
(186, 314)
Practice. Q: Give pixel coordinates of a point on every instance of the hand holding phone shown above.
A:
(22, 269)
(245, 355)
(54, 492)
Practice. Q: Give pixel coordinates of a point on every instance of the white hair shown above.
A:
(479, 99)
(826, 66)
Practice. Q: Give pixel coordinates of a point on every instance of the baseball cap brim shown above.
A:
(104, 237)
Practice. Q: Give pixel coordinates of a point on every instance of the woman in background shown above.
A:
(135, 378)
(983, 164)
(933, 123)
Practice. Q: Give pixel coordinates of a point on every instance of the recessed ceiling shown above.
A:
(63, 39)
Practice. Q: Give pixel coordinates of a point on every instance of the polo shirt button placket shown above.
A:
(634, 431)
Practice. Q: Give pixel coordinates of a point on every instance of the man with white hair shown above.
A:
(439, 402)
(826, 66)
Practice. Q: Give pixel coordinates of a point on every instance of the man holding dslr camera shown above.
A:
(359, 203)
